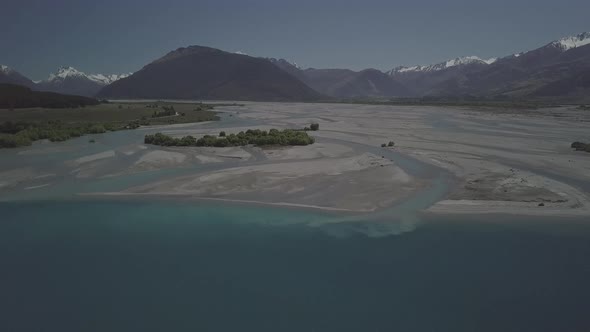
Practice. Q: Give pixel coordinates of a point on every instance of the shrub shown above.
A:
(579, 146)
(315, 126)
(222, 134)
(390, 144)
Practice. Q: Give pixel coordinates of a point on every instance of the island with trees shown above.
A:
(257, 137)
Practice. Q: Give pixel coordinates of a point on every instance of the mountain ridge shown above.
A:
(200, 72)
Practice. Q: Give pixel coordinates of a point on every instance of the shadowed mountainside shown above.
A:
(198, 72)
(16, 96)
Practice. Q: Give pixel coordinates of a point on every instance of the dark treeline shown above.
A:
(15, 134)
(166, 111)
(287, 137)
(16, 96)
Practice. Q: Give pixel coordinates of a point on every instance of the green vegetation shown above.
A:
(390, 144)
(222, 134)
(23, 126)
(166, 111)
(579, 146)
(314, 126)
(287, 137)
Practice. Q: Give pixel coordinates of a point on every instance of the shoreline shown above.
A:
(187, 198)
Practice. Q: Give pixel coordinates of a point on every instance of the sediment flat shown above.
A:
(508, 161)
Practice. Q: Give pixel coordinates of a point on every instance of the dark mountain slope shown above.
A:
(11, 76)
(198, 72)
(16, 96)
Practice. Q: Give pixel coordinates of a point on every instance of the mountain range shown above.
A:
(557, 71)
(560, 70)
(67, 80)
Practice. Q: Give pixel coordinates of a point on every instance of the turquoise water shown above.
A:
(165, 266)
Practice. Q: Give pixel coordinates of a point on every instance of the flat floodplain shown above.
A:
(106, 112)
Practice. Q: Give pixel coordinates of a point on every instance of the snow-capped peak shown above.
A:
(5, 69)
(490, 60)
(64, 72)
(71, 72)
(570, 42)
(444, 65)
(283, 61)
(106, 79)
(240, 53)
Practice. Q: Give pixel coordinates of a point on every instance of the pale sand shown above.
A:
(480, 147)
(131, 149)
(317, 150)
(93, 157)
(204, 159)
(369, 181)
(151, 161)
(37, 187)
(14, 177)
(503, 161)
(159, 159)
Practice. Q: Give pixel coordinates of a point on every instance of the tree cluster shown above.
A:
(579, 146)
(287, 137)
(166, 111)
(15, 134)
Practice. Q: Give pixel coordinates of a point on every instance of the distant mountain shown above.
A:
(11, 76)
(198, 72)
(16, 96)
(345, 83)
(548, 71)
(426, 80)
(288, 66)
(69, 80)
(567, 43)
(457, 62)
(557, 70)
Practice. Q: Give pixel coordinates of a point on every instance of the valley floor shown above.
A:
(445, 160)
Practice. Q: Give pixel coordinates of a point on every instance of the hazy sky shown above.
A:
(113, 36)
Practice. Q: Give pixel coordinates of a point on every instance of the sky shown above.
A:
(118, 36)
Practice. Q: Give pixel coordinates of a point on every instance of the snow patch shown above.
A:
(106, 79)
(443, 65)
(71, 72)
(283, 61)
(570, 42)
(490, 60)
(5, 69)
